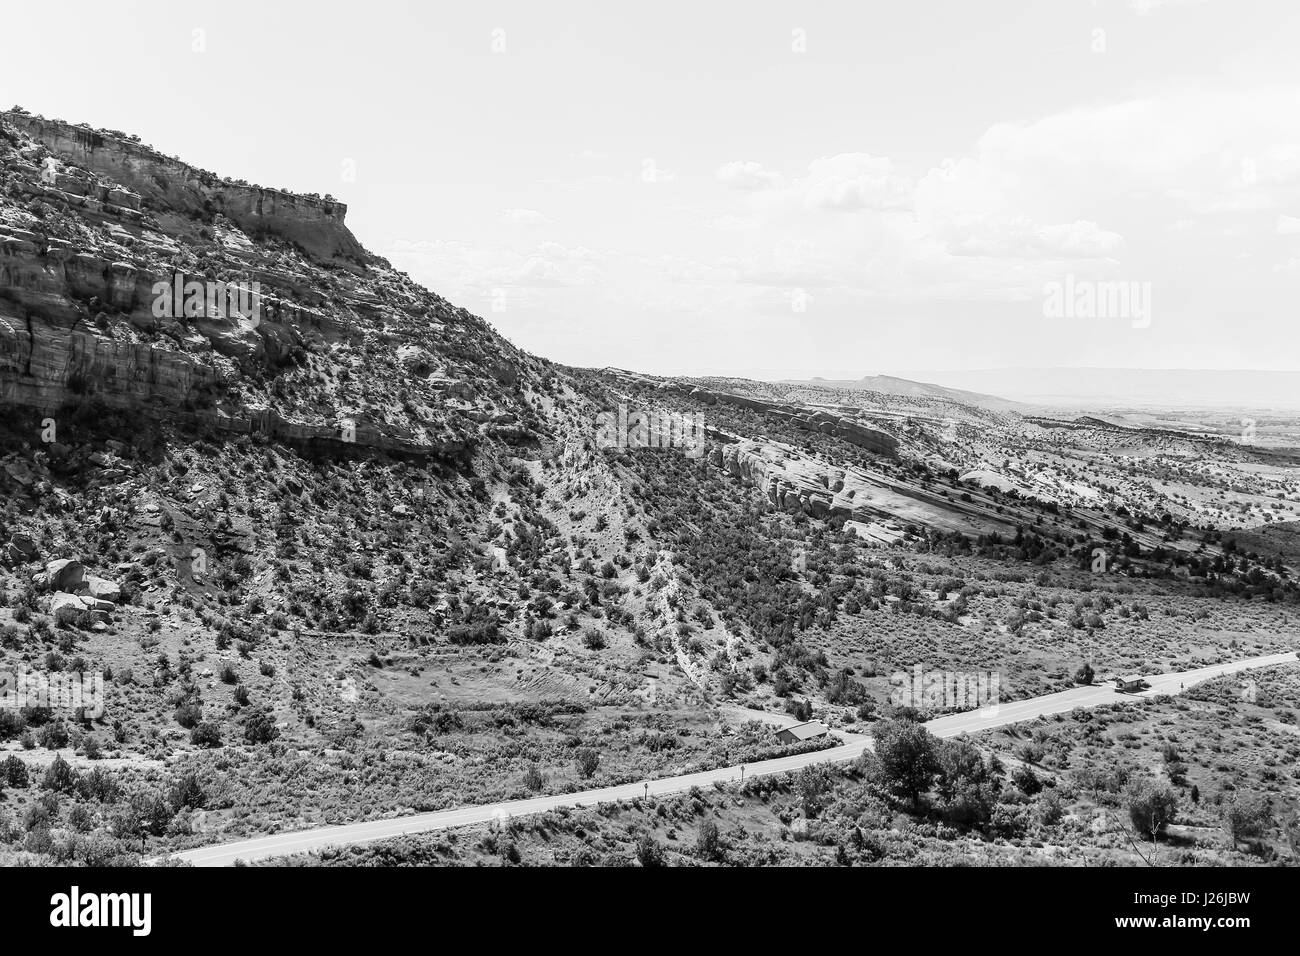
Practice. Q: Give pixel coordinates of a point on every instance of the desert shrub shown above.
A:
(187, 793)
(1245, 816)
(708, 841)
(54, 735)
(648, 851)
(1025, 780)
(259, 727)
(206, 734)
(188, 715)
(587, 761)
(1151, 805)
(59, 777)
(14, 772)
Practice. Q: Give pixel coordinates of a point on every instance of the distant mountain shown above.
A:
(1168, 388)
(892, 385)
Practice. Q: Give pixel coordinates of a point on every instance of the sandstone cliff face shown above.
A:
(93, 225)
(798, 483)
(856, 433)
(315, 224)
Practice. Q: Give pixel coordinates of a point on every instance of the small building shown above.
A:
(797, 733)
(1128, 683)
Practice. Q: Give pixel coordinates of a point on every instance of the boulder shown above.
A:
(65, 574)
(102, 589)
(80, 602)
(63, 599)
(24, 545)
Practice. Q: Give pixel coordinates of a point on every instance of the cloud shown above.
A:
(455, 268)
(851, 182)
(1022, 238)
(652, 173)
(1146, 7)
(747, 176)
(524, 217)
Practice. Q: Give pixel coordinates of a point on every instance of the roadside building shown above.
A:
(797, 733)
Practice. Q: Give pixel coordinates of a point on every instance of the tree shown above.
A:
(14, 771)
(1084, 675)
(59, 777)
(587, 760)
(1151, 805)
(259, 728)
(1245, 816)
(206, 734)
(649, 852)
(708, 842)
(907, 757)
(187, 793)
(966, 783)
(534, 778)
(812, 784)
(1026, 780)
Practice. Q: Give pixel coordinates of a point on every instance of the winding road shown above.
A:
(952, 725)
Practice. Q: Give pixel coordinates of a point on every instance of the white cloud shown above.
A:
(524, 217)
(747, 175)
(651, 172)
(851, 182)
(1145, 7)
(1022, 238)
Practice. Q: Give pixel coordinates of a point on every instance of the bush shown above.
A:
(206, 734)
(1025, 780)
(1246, 816)
(189, 715)
(187, 793)
(649, 852)
(259, 728)
(708, 842)
(54, 736)
(59, 777)
(587, 761)
(1151, 805)
(14, 771)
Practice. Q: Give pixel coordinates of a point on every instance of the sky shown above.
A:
(769, 189)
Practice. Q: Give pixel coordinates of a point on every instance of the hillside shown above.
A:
(341, 551)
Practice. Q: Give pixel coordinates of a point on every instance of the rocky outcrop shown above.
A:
(98, 232)
(154, 179)
(19, 548)
(74, 587)
(796, 483)
(854, 432)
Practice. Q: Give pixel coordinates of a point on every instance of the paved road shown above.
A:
(952, 725)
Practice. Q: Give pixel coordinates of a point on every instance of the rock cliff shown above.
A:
(109, 256)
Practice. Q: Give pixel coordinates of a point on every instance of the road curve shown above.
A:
(952, 725)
